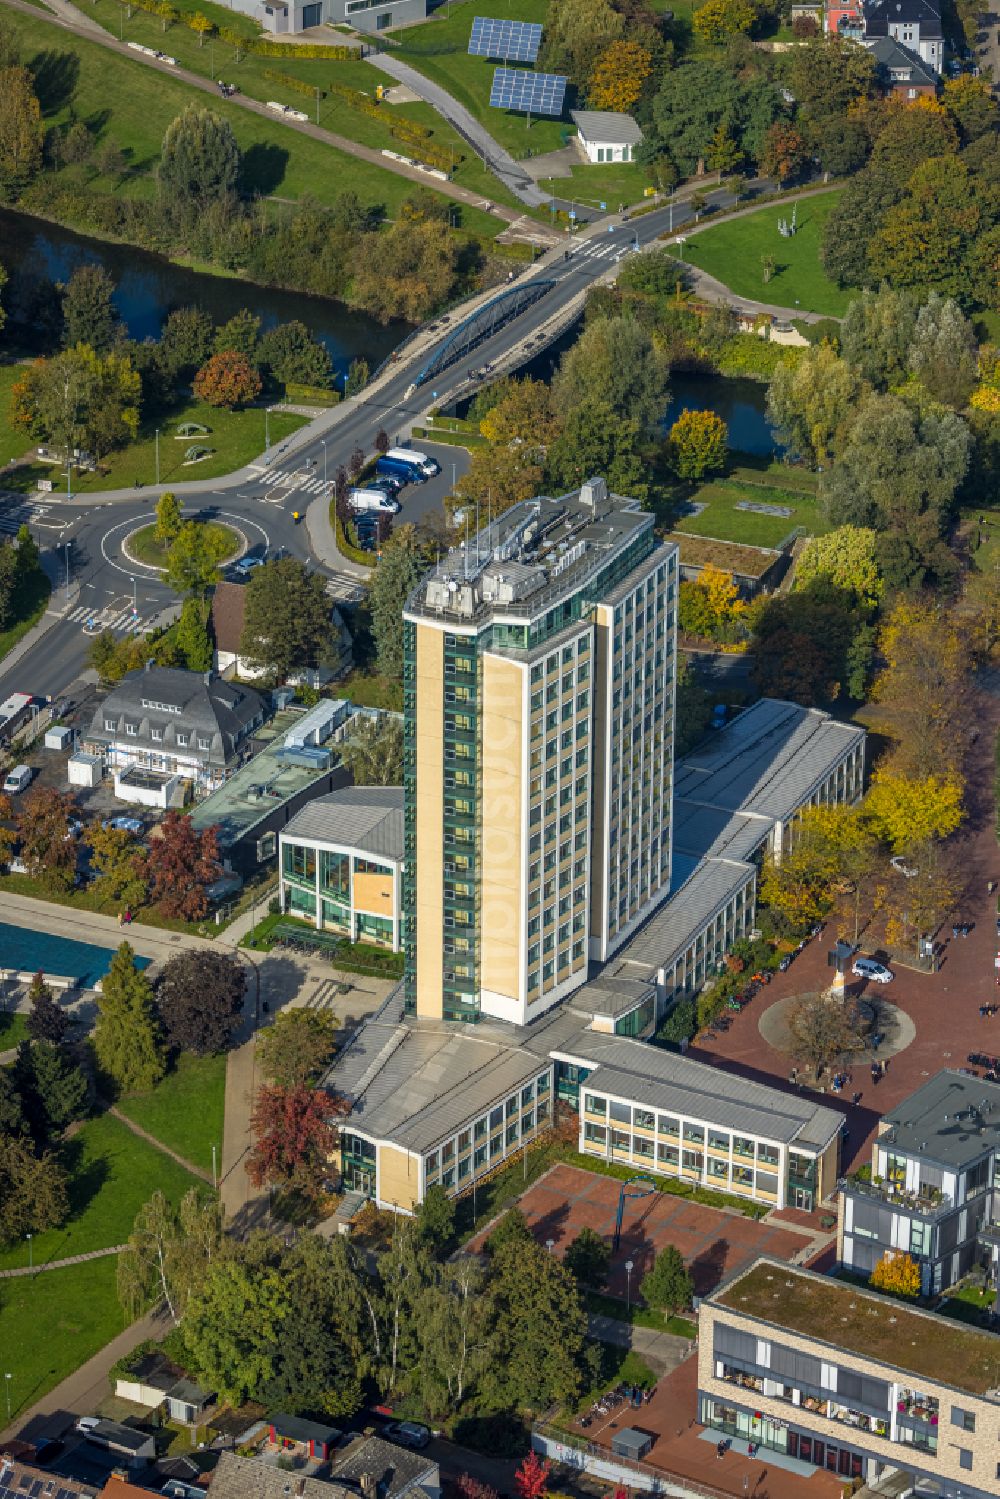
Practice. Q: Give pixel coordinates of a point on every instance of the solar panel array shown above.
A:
(513, 41)
(30, 1487)
(535, 93)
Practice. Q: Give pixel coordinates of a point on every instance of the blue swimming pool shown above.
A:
(30, 952)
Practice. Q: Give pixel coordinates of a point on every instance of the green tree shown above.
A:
(927, 240)
(80, 399)
(287, 622)
(240, 335)
(812, 402)
(577, 34)
(185, 343)
(847, 556)
(297, 1048)
(47, 1020)
(88, 309)
(588, 1258)
(436, 1220)
(194, 557)
(164, 1246)
(697, 444)
(373, 752)
(668, 1286)
(511, 1229)
(199, 162)
(856, 218)
(399, 568)
(317, 1364)
(943, 353)
(169, 518)
(52, 1088)
(876, 335)
(21, 132)
(803, 643)
(679, 1026)
(538, 1350)
(405, 1271)
(117, 861)
(452, 1334)
(615, 362)
(192, 636)
(407, 271)
(357, 378)
(33, 1188)
(126, 1038)
(291, 354)
(695, 96)
(12, 1120)
(234, 1327)
(595, 439)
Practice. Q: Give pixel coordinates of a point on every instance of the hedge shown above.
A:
(298, 84)
(257, 45)
(353, 554)
(315, 394)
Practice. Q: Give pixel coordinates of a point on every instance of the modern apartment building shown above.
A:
(539, 676)
(933, 1188)
(850, 1382)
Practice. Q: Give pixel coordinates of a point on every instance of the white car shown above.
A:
(868, 968)
(87, 1423)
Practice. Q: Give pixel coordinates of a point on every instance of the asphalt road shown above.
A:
(260, 501)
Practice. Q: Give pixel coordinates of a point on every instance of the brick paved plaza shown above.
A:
(714, 1244)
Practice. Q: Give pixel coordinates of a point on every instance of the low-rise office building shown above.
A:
(933, 1188)
(301, 15)
(850, 1382)
(341, 863)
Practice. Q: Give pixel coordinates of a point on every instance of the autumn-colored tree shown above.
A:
(8, 835)
(169, 518)
(294, 1137)
(47, 846)
(904, 811)
(784, 152)
(181, 864)
(227, 379)
(21, 131)
(718, 20)
(915, 900)
(831, 853)
(923, 691)
(617, 80)
(202, 25)
(697, 444)
(897, 1274)
(724, 154)
(524, 415)
(711, 606)
(532, 1478)
(846, 555)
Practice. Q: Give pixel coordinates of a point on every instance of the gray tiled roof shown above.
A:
(205, 704)
(890, 54)
(249, 1478)
(369, 818)
(395, 1468)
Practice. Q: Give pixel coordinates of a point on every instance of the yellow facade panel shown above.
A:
(375, 894)
(503, 798)
(398, 1176)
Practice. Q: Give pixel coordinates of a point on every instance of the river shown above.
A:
(150, 287)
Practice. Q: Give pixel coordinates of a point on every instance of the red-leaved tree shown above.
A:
(47, 846)
(532, 1478)
(227, 379)
(181, 864)
(295, 1136)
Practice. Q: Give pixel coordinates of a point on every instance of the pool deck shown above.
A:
(96, 931)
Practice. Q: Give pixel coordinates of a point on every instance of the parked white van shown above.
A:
(373, 499)
(17, 779)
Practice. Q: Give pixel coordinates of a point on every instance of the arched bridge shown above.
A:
(481, 325)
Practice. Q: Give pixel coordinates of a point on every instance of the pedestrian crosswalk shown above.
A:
(289, 479)
(14, 516)
(118, 621)
(344, 588)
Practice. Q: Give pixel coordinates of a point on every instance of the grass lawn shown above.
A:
(13, 1030)
(30, 604)
(731, 252)
(618, 1366)
(235, 437)
(217, 59)
(51, 1324)
(87, 900)
(144, 546)
(112, 1173)
(132, 104)
(721, 519)
(371, 691)
(186, 1109)
(439, 49)
(12, 444)
(638, 1316)
(611, 183)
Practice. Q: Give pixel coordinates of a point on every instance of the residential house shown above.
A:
(900, 71)
(367, 1468)
(21, 1480)
(298, 1437)
(154, 1381)
(228, 615)
(161, 726)
(915, 24)
(843, 1380)
(933, 1188)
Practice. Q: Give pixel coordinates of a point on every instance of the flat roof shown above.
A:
(733, 556)
(950, 1120)
(858, 1321)
(533, 556)
(367, 818)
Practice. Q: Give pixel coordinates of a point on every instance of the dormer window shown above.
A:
(156, 735)
(110, 725)
(130, 730)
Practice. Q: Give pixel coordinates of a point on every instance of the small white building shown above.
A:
(604, 135)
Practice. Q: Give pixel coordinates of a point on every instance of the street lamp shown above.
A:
(31, 1255)
(66, 547)
(267, 429)
(629, 1267)
(135, 600)
(157, 455)
(7, 1383)
(323, 442)
(550, 1244)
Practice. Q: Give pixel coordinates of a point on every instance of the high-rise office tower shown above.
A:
(539, 678)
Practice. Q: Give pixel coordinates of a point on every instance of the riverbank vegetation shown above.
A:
(286, 211)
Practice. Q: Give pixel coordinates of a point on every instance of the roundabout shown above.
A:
(876, 1019)
(140, 547)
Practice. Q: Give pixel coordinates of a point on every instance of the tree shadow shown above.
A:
(262, 169)
(551, 1225)
(56, 75)
(708, 1268)
(85, 1178)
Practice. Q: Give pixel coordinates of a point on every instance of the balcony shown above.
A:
(929, 1202)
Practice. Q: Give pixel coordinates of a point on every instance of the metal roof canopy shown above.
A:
(511, 41)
